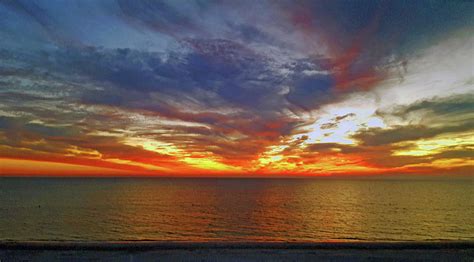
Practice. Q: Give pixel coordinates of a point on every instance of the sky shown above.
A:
(236, 88)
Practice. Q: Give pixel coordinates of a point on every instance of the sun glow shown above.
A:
(338, 124)
(154, 145)
(138, 164)
(425, 147)
(208, 164)
(28, 167)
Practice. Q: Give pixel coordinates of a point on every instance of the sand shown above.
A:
(172, 251)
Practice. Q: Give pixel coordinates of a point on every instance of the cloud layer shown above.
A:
(240, 88)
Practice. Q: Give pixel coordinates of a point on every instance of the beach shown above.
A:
(244, 251)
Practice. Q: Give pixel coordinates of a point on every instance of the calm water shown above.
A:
(235, 209)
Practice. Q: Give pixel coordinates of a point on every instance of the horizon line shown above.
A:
(273, 176)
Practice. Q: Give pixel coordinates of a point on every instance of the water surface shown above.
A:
(235, 209)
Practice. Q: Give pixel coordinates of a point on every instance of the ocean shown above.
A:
(208, 209)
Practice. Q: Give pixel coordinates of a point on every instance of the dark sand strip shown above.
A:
(225, 251)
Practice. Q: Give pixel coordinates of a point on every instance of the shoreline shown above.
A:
(163, 245)
(235, 251)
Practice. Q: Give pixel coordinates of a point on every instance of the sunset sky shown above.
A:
(236, 88)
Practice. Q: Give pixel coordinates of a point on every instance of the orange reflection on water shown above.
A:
(237, 209)
(277, 210)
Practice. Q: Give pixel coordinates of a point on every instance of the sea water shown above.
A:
(177, 209)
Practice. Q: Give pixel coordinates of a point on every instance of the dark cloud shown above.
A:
(379, 136)
(439, 107)
(450, 153)
(333, 147)
(311, 92)
(441, 116)
(14, 126)
(335, 121)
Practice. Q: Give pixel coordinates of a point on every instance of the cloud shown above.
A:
(379, 136)
(233, 82)
(435, 117)
(336, 120)
(450, 108)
